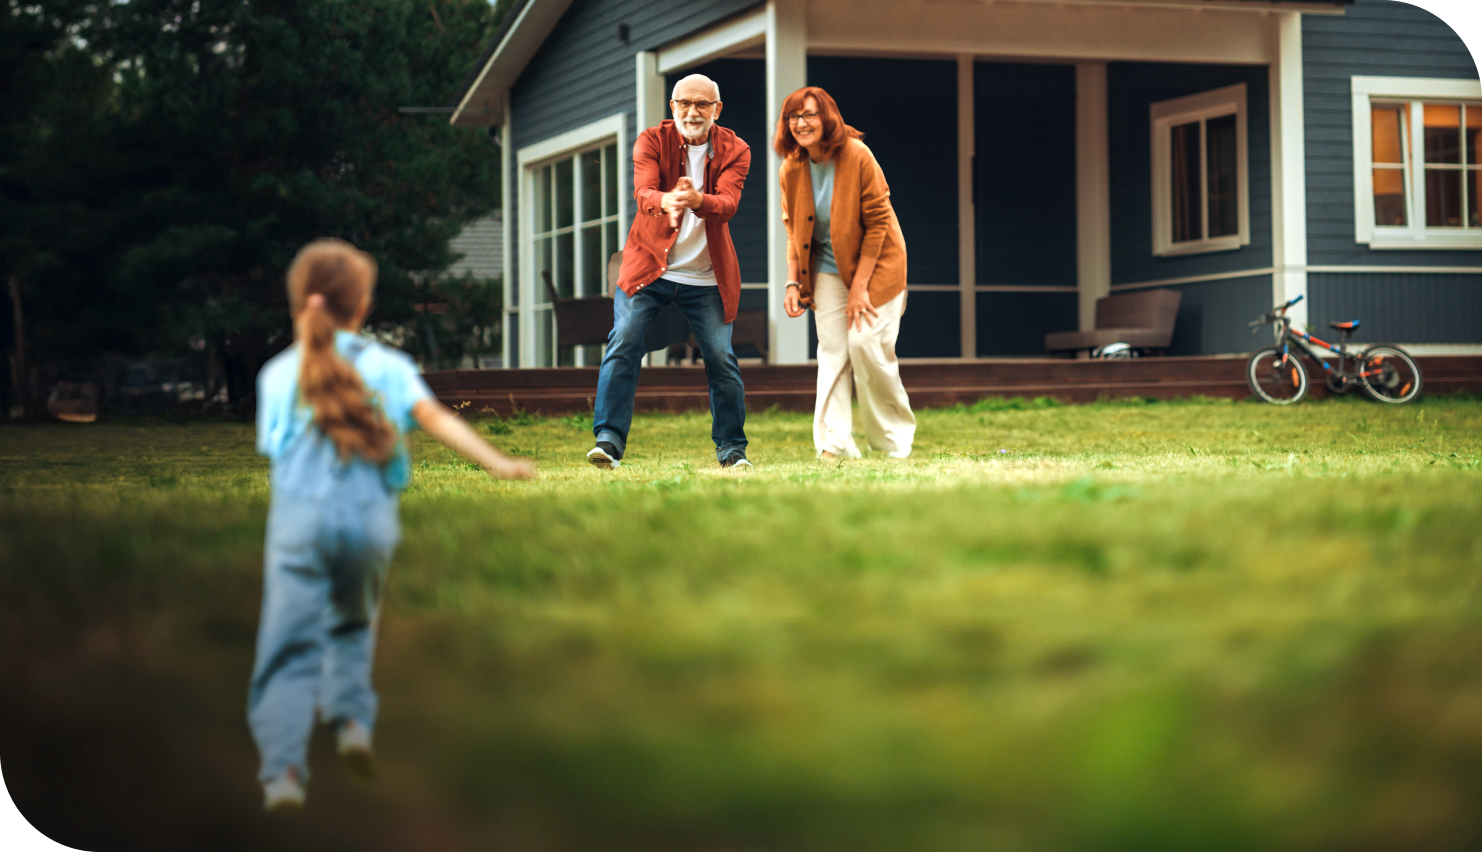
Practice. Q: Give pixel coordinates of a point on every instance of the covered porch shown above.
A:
(1021, 143)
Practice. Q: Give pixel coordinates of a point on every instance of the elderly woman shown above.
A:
(846, 259)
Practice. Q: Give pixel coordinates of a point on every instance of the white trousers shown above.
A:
(868, 356)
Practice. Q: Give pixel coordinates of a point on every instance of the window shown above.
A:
(572, 201)
(1417, 175)
(1200, 195)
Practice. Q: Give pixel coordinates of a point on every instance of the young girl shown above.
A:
(331, 413)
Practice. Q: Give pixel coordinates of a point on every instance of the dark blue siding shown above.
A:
(907, 110)
(1132, 88)
(1375, 38)
(1025, 198)
(1016, 323)
(743, 90)
(1212, 316)
(1423, 307)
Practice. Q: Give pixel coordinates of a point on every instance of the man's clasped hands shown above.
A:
(682, 197)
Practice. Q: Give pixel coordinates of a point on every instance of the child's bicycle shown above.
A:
(1276, 375)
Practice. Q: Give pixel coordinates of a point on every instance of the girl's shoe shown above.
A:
(284, 793)
(355, 749)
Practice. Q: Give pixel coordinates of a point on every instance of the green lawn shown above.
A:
(1197, 625)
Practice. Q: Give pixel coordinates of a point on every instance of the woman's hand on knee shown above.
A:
(860, 309)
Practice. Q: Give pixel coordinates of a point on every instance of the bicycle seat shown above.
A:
(1351, 325)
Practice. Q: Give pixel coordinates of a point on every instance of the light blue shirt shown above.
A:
(823, 199)
(300, 453)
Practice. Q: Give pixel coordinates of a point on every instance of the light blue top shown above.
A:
(305, 461)
(823, 199)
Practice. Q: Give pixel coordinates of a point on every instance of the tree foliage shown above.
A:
(175, 154)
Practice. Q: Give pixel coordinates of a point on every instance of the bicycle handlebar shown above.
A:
(1272, 315)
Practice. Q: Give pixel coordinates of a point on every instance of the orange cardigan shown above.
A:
(861, 222)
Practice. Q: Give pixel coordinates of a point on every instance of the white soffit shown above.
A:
(1100, 30)
(482, 104)
(1311, 7)
(739, 33)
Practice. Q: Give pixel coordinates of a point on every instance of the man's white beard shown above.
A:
(701, 135)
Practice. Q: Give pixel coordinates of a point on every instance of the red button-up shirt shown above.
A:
(658, 164)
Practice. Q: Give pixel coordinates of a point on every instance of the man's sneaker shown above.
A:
(355, 749)
(284, 793)
(736, 460)
(604, 455)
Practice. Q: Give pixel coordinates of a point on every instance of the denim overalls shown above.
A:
(332, 527)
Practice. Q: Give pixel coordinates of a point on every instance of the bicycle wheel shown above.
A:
(1275, 381)
(1389, 374)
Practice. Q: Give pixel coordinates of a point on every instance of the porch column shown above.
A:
(1093, 190)
(506, 231)
(651, 94)
(1288, 167)
(787, 71)
(648, 112)
(967, 233)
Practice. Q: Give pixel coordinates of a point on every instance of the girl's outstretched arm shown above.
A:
(440, 422)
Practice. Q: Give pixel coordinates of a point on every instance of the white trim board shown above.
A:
(1416, 87)
(613, 125)
(1271, 270)
(739, 33)
(1402, 270)
(1195, 279)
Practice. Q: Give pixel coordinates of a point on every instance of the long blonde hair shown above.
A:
(329, 283)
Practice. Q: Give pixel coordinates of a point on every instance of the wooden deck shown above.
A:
(931, 384)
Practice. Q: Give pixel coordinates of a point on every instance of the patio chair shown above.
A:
(1140, 320)
(588, 321)
(580, 322)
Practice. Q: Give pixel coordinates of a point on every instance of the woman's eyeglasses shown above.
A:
(805, 117)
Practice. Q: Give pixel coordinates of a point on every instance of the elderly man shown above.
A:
(687, 178)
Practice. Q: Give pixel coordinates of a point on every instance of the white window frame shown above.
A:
(569, 145)
(1413, 93)
(1165, 115)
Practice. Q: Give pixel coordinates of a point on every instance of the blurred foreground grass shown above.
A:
(1119, 626)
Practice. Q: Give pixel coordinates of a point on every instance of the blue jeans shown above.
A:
(618, 381)
(324, 567)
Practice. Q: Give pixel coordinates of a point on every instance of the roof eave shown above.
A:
(527, 24)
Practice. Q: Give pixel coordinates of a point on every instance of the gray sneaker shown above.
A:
(736, 460)
(605, 456)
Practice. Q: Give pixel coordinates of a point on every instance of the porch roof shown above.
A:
(480, 99)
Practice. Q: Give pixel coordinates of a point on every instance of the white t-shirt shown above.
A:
(689, 259)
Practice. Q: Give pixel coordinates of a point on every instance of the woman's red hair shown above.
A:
(835, 131)
(342, 277)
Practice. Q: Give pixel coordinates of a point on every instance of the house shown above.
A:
(1041, 154)
(482, 246)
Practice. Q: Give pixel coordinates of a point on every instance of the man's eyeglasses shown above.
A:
(702, 106)
(805, 117)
